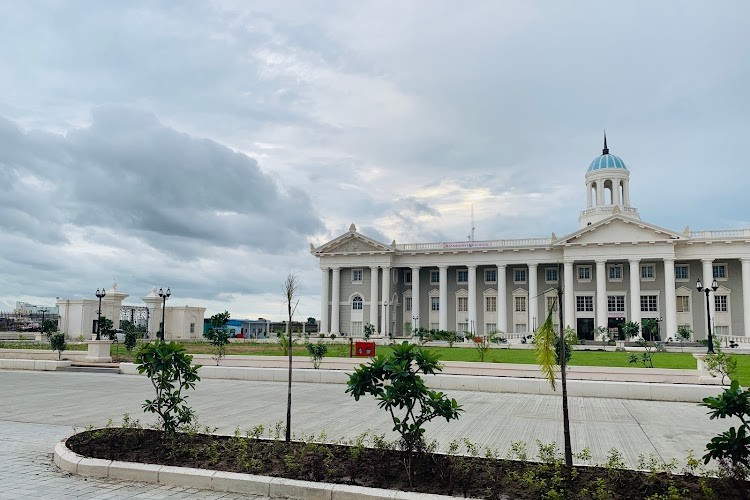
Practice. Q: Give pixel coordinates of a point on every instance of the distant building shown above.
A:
(26, 309)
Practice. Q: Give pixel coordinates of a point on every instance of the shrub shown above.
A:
(317, 352)
(369, 329)
(171, 372)
(57, 342)
(631, 329)
(571, 339)
(684, 332)
(731, 448)
(483, 343)
(646, 357)
(722, 364)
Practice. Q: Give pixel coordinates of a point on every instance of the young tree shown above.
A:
(369, 329)
(218, 335)
(631, 329)
(131, 337)
(395, 382)
(291, 285)
(57, 342)
(317, 352)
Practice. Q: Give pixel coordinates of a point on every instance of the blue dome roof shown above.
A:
(606, 161)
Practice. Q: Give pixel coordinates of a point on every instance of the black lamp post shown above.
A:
(99, 293)
(163, 296)
(44, 311)
(385, 320)
(707, 290)
(415, 326)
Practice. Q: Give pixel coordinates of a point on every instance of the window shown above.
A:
(490, 304)
(550, 275)
(463, 304)
(616, 303)
(434, 326)
(720, 271)
(463, 328)
(615, 272)
(721, 303)
(682, 272)
(584, 273)
(434, 277)
(407, 276)
(521, 328)
(462, 276)
(192, 327)
(648, 272)
(395, 276)
(519, 275)
(490, 276)
(490, 327)
(721, 330)
(551, 304)
(357, 303)
(356, 328)
(435, 303)
(683, 303)
(520, 304)
(649, 303)
(585, 303)
(407, 301)
(356, 275)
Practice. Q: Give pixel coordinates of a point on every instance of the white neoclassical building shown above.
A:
(615, 268)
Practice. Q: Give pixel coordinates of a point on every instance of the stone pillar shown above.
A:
(599, 193)
(443, 297)
(335, 299)
(601, 294)
(746, 295)
(625, 193)
(533, 299)
(415, 297)
(502, 308)
(569, 313)
(386, 293)
(473, 299)
(670, 301)
(708, 278)
(616, 193)
(324, 298)
(635, 290)
(374, 297)
(588, 195)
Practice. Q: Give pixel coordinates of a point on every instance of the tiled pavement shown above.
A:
(30, 401)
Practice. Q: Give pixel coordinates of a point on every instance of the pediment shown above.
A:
(351, 243)
(616, 230)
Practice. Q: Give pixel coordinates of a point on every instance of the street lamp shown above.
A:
(44, 311)
(99, 293)
(386, 322)
(163, 296)
(707, 290)
(415, 324)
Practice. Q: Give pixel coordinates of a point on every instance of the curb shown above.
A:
(231, 482)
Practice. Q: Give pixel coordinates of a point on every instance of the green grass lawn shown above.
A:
(743, 369)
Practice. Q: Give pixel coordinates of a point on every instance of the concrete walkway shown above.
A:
(39, 408)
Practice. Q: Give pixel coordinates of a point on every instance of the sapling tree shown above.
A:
(218, 336)
(317, 352)
(483, 343)
(395, 382)
(368, 330)
(170, 370)
(107, 329)
(631, 329)
(720, 363)
(646, 357)
(57, 342)
(291, 286)
(131, 337)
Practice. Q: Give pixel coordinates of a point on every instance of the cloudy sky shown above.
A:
(204, 145)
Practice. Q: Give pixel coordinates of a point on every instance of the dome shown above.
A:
(607, 161)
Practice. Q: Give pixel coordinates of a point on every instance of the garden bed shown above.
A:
(377, 463)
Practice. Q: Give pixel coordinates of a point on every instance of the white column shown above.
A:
(599, 193)
(626, 193)
(415, 297)
(708, 278)
(601, 294)
(635, 290)
(616, 193)
(569, 296)
(746, 295)
(443, 297)
(324, 294)
(533, 299)
(670, 301)
(386, 293)
(374, 297)
(335, 299)
(502, 311)
(473, 299)
(588, 195)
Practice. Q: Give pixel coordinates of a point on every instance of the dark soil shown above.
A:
(383, 467)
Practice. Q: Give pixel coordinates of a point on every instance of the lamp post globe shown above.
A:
(164, 295)
(99, 294)
(707, 290)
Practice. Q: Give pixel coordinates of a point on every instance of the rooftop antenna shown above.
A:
(605, 151)
(471, 236)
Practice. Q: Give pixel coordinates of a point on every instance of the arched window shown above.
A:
(357, 303)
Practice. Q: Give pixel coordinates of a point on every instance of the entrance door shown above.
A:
(585, 328)
(615, 328)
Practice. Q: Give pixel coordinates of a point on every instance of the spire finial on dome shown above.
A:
(605, 151)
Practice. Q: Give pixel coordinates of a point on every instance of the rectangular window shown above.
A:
(721, 303)
(551, 304)
(649, 303)
(519, 275)
(550, 275)
(616, 303)
(463, 328)
(584, 273)
(356, 328)
(407, 276)
(521, 328)
(462, 276)
(648, 272)
(394, 275)
(721, 330)
(683, 303)
(490, 304)
(192, 327)
(463, 304)
(520, 304)
(585, 303)
(356, 275)
(490, 327)
(434, 277)
(408, 303)
(434, 326)
(615, 272)
(490, 276)
(682, 272)
(435, 303)
(720, 271)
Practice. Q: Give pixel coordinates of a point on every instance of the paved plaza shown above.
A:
(39, 408)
